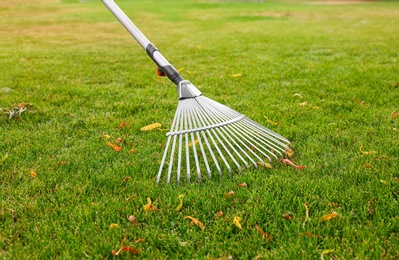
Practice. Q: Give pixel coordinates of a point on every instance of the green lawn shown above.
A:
(327, 73)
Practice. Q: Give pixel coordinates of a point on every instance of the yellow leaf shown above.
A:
(289, 152)
(303, 104)
(236, 222)
(228, 194)
(195, 142)
(306, 214)
(181, 196)
(327, 251)
(107, 136)
(151, 127)
(316, 107)
(329, 216)
(33, 174)
(383, 181)
(367, 153)
(266, 165)
(113, 225)
(237, 75)
(149, 206)
(195, 221)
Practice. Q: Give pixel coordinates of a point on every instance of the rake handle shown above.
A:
(164, 67)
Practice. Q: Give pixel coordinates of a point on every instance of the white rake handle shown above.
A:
(164, 67)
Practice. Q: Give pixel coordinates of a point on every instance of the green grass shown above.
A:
(83, 74)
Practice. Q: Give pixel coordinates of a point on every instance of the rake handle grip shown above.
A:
(163, 65)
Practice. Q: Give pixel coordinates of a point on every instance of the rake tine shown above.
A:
(187, 147)
(190, 124)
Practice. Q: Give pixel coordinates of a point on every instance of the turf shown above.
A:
(324, 76)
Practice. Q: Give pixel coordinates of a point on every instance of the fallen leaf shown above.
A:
(316, 107)
(151, 127)
(288, 215)
(289, 152)
(395, 114)
(308, 234)
(329, 216)
(140, 240)
(289, 162)
(297, 95)
(118, 140)
(219, 214)
(306, 214)
(132, 219)
(327, 251)
(228, 194)
(236, 222)
(227, 219)
(131, 151)
(195, 221)
(33, 174)
(236, 75)
(334, 204)
(3, 159)
(149, 206)
(125, 249)
(113, 225)
(122, 125)
(263, 233)
(130, 198)
(266, 165)
(383, 181)
(116, 148)
(368, 165)
(303, 104)
(178, 208)
(125, 180)
(195, 142)
(242, 185)
(367, 153)
(106, 136)
(271, 122)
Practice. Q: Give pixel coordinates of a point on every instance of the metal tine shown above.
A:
(172, 153)
(190, 125)
(234, 131)
(204, 121)
(185, 115)
(216, 114)
(197, 120)
(179, 161)
(212, 120)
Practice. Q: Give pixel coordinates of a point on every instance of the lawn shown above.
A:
(325, 76)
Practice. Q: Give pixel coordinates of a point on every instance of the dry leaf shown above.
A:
(131, 151)
(289, 162)
(140, 240)
(236, 75)
(122, 125)
(308, 234)
(195, 142)
(303, 104)
(178, 208)
(125, 180)
(219, 214)
(116, 148)
(241, 185)
(289, 152)
(130, 198)
(125, 249)
(118, 140)
(263, 233)
(334, 204)
(297, 95)
(113, 225)
(327, 251)
(383, 181)
(316, 107)
(151, 127)
(271, 122)
(368, 165)
(33, 174)
(195, 221)
(236, 222)
(329, 216)
(288, 215)
(107, 136)
(149, 206)
(367, 153)
(395, 114)
(266, 165)
(306, 214)
(132, 219)
(228, 194)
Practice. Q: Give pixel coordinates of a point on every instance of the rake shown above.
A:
(205, 135)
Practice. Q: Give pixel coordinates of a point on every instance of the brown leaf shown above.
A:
(33, 174)
(329, 216)
(219, 214)
(228, 194)
(195, 221)
(125, 180)
(122, 125)
(263, 233)
(149, 206)
(116, 148)
(395, 114)
(308, 234)
(289, 162)
(130, 198)
(140, 240)
(118, 140)
(125, 249)
(131, 151)
(242, 185)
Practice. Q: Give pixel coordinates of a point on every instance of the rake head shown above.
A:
(207, 136)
